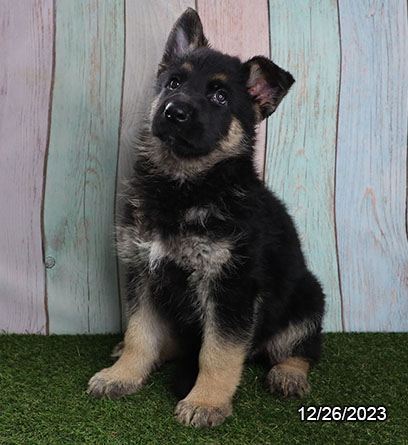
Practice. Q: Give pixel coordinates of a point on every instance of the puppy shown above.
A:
(216, 274)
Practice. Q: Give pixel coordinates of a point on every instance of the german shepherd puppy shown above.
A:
(215, 269)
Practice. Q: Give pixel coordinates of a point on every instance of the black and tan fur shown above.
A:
(216, 273)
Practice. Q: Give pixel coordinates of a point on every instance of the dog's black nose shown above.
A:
(177, 112)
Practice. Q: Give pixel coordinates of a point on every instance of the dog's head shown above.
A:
(208, 101)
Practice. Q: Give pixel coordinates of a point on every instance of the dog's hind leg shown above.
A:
(118, 349)
(292, 351)
(289, 378)
(148, 342)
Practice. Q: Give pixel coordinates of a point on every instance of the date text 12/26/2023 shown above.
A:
(343, 413)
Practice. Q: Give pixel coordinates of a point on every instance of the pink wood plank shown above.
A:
(26, 36)
(239, 28)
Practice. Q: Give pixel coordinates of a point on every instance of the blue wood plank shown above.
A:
(371, 165)
(301, 136)
(81, 169)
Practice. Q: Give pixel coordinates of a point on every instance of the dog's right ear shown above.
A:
(267, 84)
(187, 35)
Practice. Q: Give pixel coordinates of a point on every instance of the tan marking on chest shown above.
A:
(193, 253)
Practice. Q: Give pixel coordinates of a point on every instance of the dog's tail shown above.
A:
(186, 373)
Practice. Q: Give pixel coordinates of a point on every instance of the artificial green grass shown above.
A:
(43, 400)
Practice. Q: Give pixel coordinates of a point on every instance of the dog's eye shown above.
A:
(220, 97)
(174, 83)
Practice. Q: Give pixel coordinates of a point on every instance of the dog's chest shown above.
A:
(198, 255)
(190, 245)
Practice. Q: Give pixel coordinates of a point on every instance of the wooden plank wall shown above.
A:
(81, 167)
(75, 81)
(26, 54)
(371, 189)
(301, 151)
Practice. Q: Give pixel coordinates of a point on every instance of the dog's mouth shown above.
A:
(178, 143)
(173, 141)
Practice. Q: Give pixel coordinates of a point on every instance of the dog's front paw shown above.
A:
(201, 416)
(287, 383)
(106, 385)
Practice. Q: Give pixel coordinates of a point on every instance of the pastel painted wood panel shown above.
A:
(26, 40)
(239, 28)
(372, 165)
(81, 170)
(301, 146)
(147, 27)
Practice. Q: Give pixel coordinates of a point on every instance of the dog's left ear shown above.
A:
(267, 83)
(187, 35)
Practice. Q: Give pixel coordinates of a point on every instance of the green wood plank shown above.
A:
(81, 168)
(148, 25)
(301, 145)
(372, 165)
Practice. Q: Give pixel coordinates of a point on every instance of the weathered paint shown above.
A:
(239, 28)
(372, 165)
(26, 36)
(81, 168)
(370, 178)
(301, 147)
